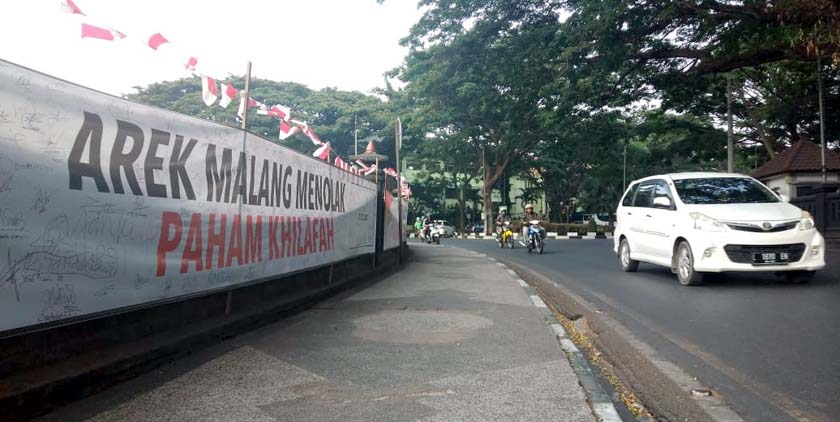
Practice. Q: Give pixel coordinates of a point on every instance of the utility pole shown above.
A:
(624, 169)
(730, 143)
(355, 137)
(822, 119)
(398, 145)
(247, 97)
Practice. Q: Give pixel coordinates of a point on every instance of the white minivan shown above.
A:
(698, 223)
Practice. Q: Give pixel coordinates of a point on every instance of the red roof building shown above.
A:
(798, 169)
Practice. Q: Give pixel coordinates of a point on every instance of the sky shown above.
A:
(347, 44)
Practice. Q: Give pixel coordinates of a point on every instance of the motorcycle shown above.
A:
(506, 236)
(430, 234)
(535, 239)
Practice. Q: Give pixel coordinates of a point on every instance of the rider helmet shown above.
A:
(531, 206)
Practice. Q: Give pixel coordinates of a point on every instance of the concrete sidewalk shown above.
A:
(452, 337)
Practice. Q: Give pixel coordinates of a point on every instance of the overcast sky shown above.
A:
(346, 44)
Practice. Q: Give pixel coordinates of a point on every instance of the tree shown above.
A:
(330, 112)
(483, 78)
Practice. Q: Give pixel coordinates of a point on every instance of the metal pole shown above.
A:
(247, 96)
(822, 119)
(730, 143)
(624, 169)
(355, 136)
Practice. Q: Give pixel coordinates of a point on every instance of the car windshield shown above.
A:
(723, 190)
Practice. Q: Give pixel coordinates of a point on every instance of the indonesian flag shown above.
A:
(354, 169)
(277, 111)
(370, 170)
(323, 152)
(287, 130)
(157, 40)
(251, 104)
(338, 162)
(209, 90)
(70, 7)
(190, 64)
(108, 34)
(390, 172)
(227, 95)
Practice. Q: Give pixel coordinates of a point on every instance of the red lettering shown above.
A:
(216, 240)
(193, 246)
(322, 239)
(253, 239)
(307, 233)
(331, 233)
(298, 227)
(169, 220)
(235, 244)
(273, 247)
(286, 236)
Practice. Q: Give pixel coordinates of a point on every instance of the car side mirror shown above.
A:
(662, 202)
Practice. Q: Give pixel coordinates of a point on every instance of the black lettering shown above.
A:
(309, 204)
(287, 181)
(328, 195)
(263, 184)
(125, 160)
(218, 178)
(301, 190)
(252, 198)
(240, 181)
(153, 162)
(178, 171)
(91, 129)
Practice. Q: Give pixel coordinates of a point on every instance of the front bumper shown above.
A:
(710, 254)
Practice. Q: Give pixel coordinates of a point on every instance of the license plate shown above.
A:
(770, 258)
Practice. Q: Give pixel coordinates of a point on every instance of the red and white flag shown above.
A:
(390, 172)
(251, 104)
(287, 130)
(190, 64)
(323, 152)
(157, 40)
(338, 162)
(228, 94)
(277, 111)
(370, 170)
(91, 31)
(209, 90)
(70, 7)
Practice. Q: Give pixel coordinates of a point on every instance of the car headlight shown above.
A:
(806, 222)
(706, 223)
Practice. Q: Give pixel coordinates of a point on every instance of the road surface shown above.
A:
(770, 348)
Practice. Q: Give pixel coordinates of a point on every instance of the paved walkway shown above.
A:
(452, 337)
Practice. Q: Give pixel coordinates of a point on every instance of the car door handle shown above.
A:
(629, 213)
(647, 215)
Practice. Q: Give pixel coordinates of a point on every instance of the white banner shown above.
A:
(106, 203)
(392, 221)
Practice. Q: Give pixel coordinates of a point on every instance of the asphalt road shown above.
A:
(771, 349)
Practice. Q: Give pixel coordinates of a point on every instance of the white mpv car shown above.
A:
(712, 222)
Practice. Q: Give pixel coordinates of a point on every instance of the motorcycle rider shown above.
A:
(427, 227)
(500, 221)
(418, 226)
(526, 221)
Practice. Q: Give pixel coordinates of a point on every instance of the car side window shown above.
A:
(662, 190)
(628, 197)
(644, 195)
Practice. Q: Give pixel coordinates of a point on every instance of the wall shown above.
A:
(107, 205)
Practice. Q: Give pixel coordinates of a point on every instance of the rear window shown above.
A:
(723, 190)
(628, 197)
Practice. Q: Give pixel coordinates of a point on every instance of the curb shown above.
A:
(600, 401)
(711, 408)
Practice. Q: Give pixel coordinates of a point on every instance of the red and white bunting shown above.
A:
(354, 169)
(108, 34)
(323, 152)
(209, 90)
(228, 94)
(68, 6)
(156, 40)
(251, 104)
(390, 172)
(278, 112)
(287, 130)
(338, 162)
(190, 64)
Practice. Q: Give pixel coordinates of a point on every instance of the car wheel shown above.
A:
(685, 266)
(799, 277)
(627, 264)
